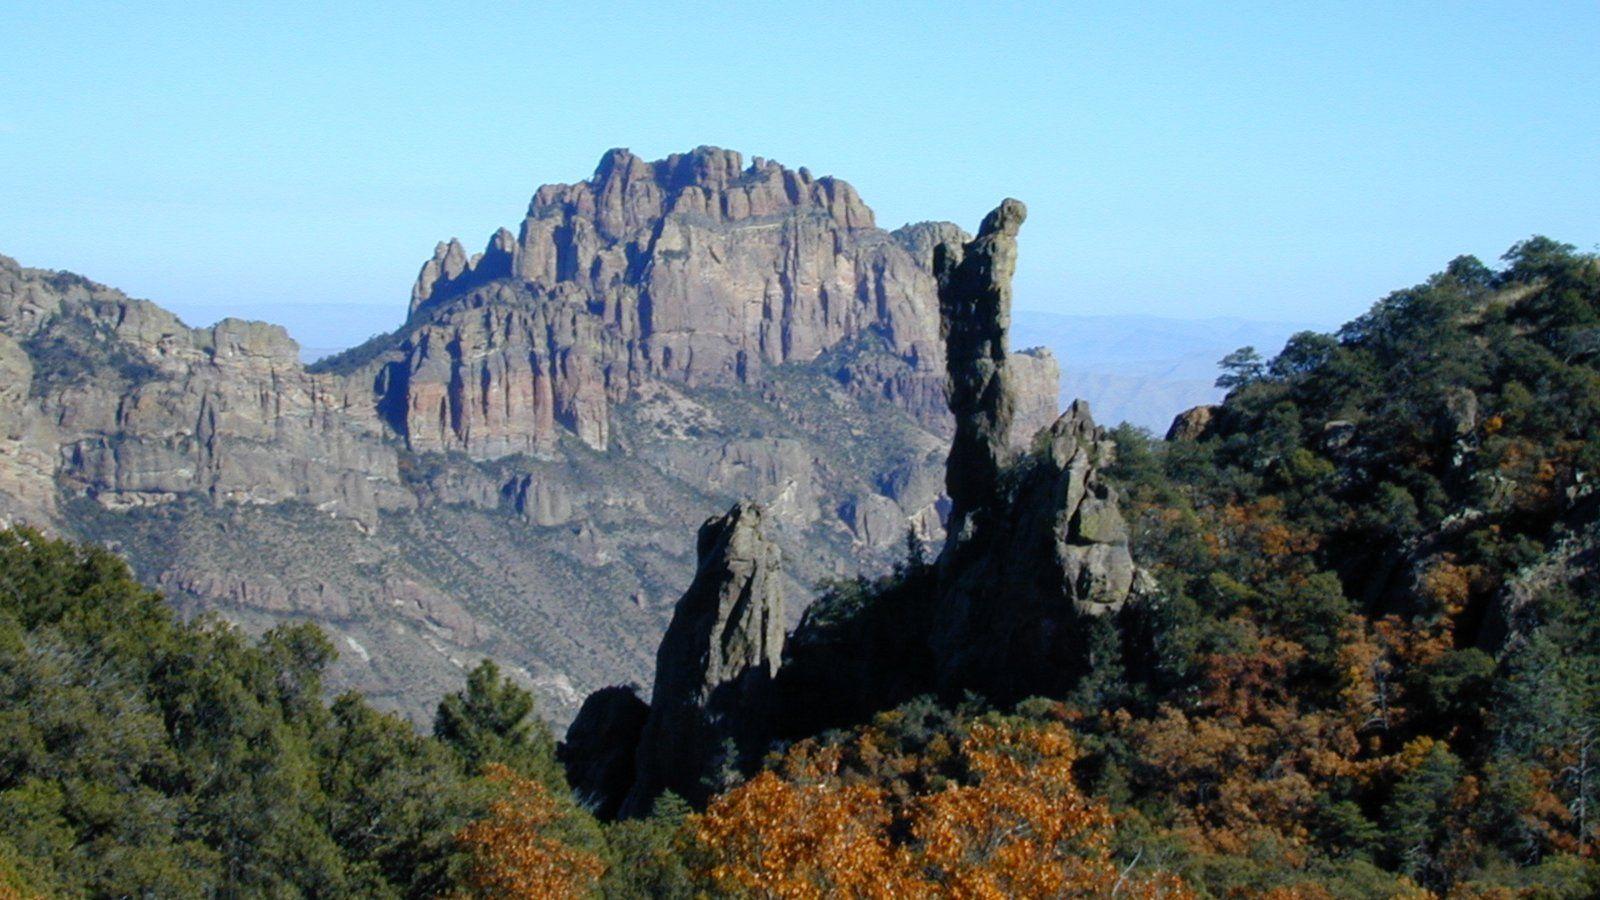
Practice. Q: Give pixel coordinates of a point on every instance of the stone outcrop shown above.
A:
(1193, 424)
(1035, 381)
(1037, 544)
(27, 442)
(1037, 552)
(695, 269)
(717, 659)
(1012, 603)
(974, 314)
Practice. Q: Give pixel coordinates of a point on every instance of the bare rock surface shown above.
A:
(1037, 544)
(717, 658)
(1036, 555)
(1193, 424)
(509, 474)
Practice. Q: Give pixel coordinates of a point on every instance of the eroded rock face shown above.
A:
(1034, 377)
(716, 662)
(696, 269)
(1037, 542)
(27, 446)
(974, 315)
(133, 408)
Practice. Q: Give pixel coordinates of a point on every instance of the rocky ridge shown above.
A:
(693, 270)
(509, 473)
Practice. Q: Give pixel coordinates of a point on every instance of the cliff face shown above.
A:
(694, 269)
(510, 473)
(117, 399)
(705, 267)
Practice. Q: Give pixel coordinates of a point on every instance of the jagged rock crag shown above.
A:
(505, 473)
(1193, 424)
(1036, 550)
(974, 314)
(1036, 542)
(716, 663)
(693, 269)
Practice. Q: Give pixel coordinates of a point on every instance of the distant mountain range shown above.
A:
(1143, 369)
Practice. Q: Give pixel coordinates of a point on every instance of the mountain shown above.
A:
(1139, 369)
(515, 472)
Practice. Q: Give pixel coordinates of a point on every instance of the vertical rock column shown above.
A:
(716, 662)
(974, 315)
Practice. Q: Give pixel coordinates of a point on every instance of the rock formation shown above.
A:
(1011, 604)
(1193, 424)
(716, 661)
(1037, 551)
(1036, 543)
(506, 473)
(974, 313)
(694, 269)
(118, 399)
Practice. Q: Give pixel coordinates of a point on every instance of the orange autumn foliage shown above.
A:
(513, 856)
(1016, 825)
(773, 838)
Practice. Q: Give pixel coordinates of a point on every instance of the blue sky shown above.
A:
(1280, 161)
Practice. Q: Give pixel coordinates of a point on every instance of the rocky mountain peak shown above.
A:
(695, 269)
(628, 195)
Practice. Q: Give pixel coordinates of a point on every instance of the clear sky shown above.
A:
(1287, 161)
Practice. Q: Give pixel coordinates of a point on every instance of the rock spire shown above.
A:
(715, 664)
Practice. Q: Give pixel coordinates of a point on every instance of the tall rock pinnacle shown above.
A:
(1030, 556)
(718, 658)
(974, 315)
